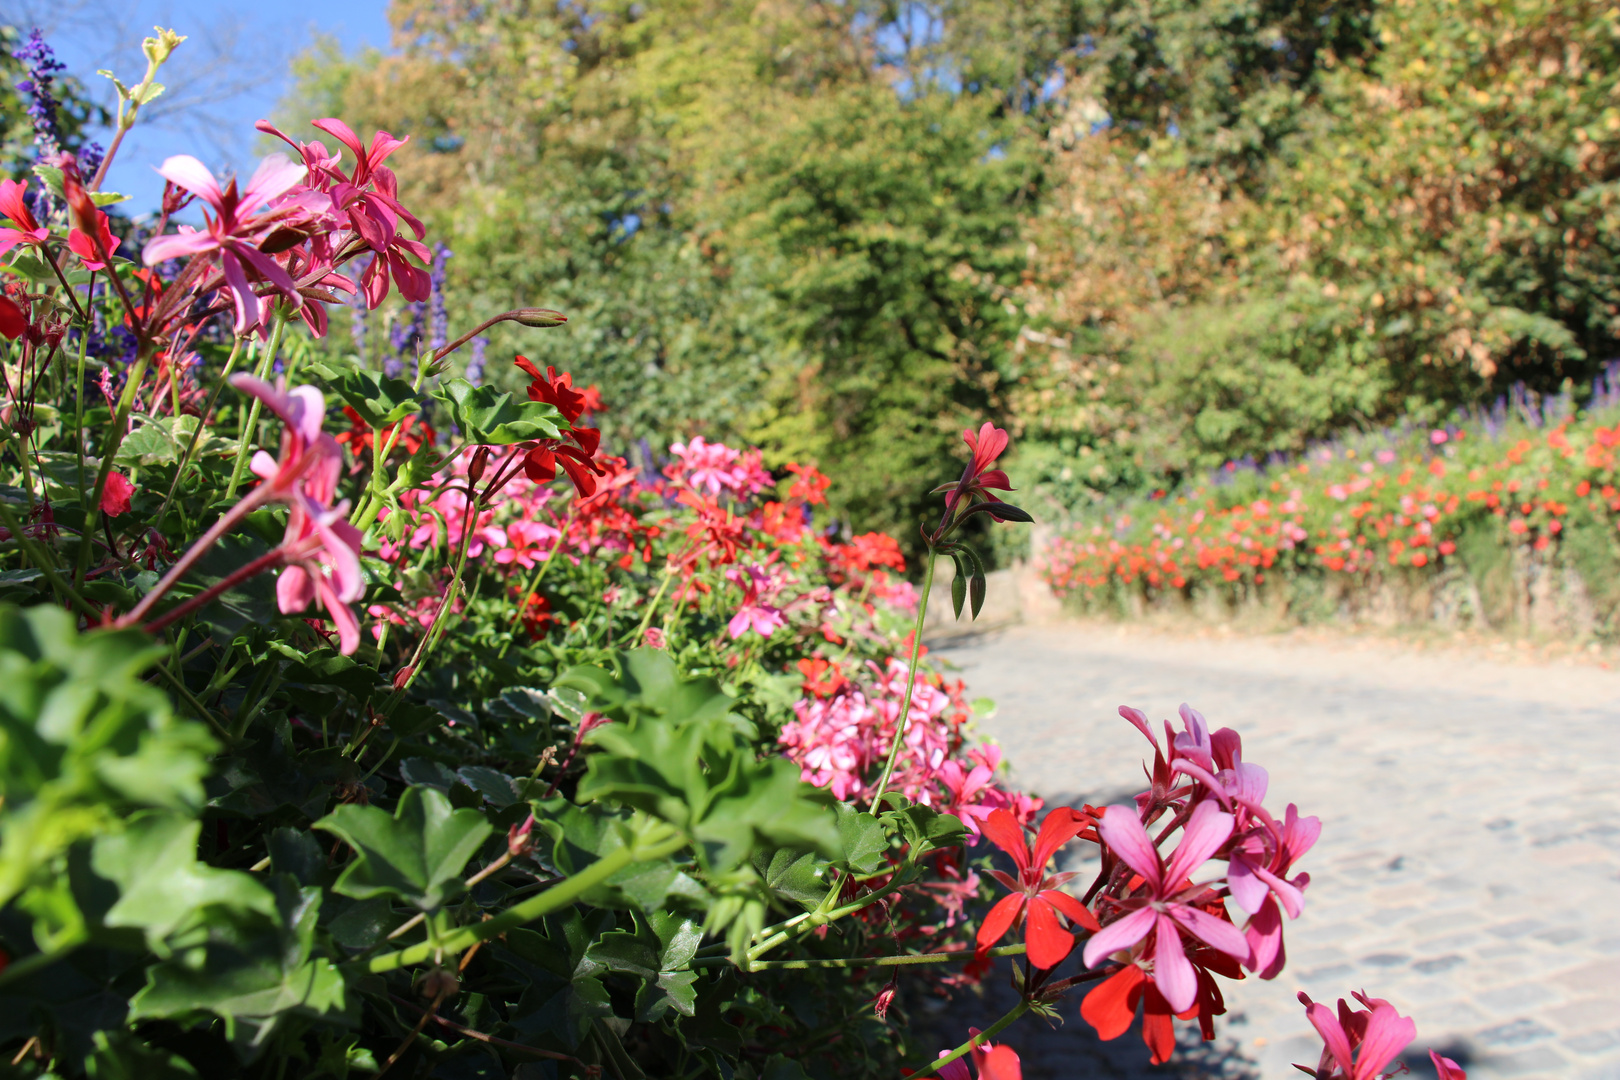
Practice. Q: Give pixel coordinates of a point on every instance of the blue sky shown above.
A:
(231, 72)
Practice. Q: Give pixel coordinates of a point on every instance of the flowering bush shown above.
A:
(523, 758)
(1541, 483)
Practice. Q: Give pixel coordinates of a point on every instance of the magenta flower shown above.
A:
(90, 249)
(1160, 909)
(755, 613)
(320, 549)
(1256, 877)
(1358, 1043)
(322, 554)
(239, 224)
(14, 207)
(369, 201)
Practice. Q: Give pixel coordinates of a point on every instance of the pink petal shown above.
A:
(344, 134)
(348, 627)
(263, 465)
(1205, 831)
(1248, 782)
(1388, 1033)
(183, 244)
(1248, 891)
(1265, 937)
(1122, 831)
(1172, 973)
(268, 268)
(307, 411)
(248, 311)
(294, 589)
(274, 399)
(274, 176)
(1293, 900)
(1217, 933)
(1333, 1036)
(1139, 718)
(191, 174)
(1119, 935)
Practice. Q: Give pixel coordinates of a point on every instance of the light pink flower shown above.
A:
(755, 613)
(1160, 909)
(240, 222)
(1256, 878)
(528, 543)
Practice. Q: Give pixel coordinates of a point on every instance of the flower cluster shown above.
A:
(1355, 511)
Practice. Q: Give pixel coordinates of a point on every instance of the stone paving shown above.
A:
(1469, 866)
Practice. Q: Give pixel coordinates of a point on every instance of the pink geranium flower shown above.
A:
(1160, 907)
(239, 223)
(1358, 1043)
(755, 613)
(1259, 863)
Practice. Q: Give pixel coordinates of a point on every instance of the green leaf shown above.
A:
(119, 1055)
(164, 888)
(416, 854)
(672, 990)
(254, 979)
(799, 876)
(379, 399)
(865, 842)
(487, 416)
(923, 828)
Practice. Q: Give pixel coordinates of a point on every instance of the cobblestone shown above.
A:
(1469, 866)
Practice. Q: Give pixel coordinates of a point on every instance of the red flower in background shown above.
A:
(809, 485)
(576, 451)
(115, 496)
(1036, 896)
(94, 251)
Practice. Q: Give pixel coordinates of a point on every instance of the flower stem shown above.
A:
(983, 1037)
(911, 680)
(266, 359)
(196, 436)
(902, 960)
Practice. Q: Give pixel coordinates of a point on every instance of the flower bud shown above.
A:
(520, 838)
(157, 49)
(438, 983)
(476, 467)
(538, 316)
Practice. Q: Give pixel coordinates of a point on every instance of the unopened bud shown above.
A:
(520, 838)
(403, 676)
(480, 462)
(157, 49)
(438, 983)
(538, 316)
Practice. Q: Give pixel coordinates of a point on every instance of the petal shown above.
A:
(344, 134)
(1172, 972)
(1000, 1063)
(1248, 890)
(191, 174)
(1333, 1037)
(274, 176)
(294, 590)
(1293, 899)
(1075, 911)
(1122, 831)
(1059, 827)
(348, 627)
(1265, 937)
(1206, 830)
(1388, 1033)
(1000, 920)
(268, 268)
(1121, 934)
(306, 408)
(1250, 781)
(248, 312)
(180, 245)
(274, 399)
(1048, 943)
(1111, 1006)
(1217, 933)
(1139, 718)
(1004, 832)
(1446, 1069)
(264, 466)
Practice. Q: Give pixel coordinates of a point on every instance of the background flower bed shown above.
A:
(1502, 519)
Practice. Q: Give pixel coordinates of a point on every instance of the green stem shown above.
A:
(250, 428)
(818, 919)
(911, 681)
(66, 592)
(647, 617)
(657, 842)
(978, 1040)
(196, 436)
(539, 575)
(903, 960)
(115, 439)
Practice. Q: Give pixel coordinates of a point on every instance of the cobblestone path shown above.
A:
(1469, 866)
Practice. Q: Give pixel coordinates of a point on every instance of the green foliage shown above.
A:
(489, 417)
(410, 855)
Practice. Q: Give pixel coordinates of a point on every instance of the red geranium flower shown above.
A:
(1044, 937)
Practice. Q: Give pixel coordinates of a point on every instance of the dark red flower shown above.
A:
(13, 320)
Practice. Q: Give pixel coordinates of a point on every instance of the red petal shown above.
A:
(1111, 1006)
(1058, 829)
(1047, 941)
(13, 323)
(1004, 832)
(1001, 1063)
(528, 368)
(1000, 920)
(1074, 909)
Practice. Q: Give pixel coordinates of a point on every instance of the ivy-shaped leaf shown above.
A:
(490, 417)
(416, 854)
(379, 399)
